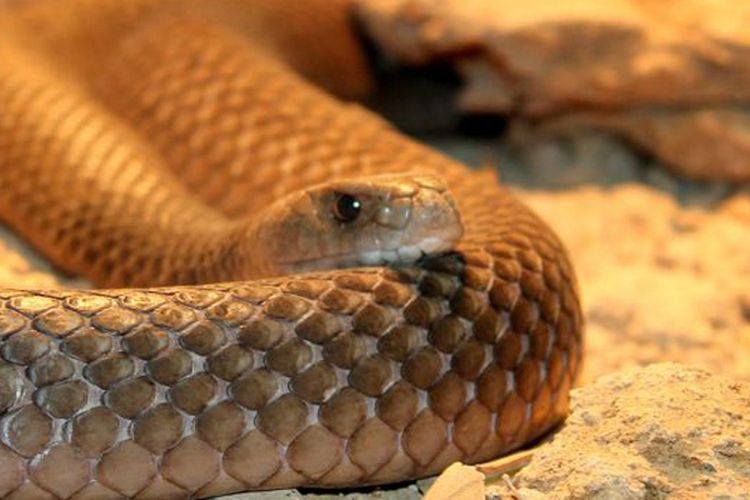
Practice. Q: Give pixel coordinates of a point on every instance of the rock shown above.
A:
(703, 143)
(665, 429)
(554, 162)
(560, 161)
(539, 57)
(673, 78)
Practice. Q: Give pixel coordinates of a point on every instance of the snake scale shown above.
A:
(136, 137)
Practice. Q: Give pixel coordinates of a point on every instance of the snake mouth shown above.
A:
(408, 254)
(405, 254)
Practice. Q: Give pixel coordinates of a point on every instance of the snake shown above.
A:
(289, 292)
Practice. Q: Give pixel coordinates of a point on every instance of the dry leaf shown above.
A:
(458, 482)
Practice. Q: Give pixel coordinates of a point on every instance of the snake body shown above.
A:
(136, 140)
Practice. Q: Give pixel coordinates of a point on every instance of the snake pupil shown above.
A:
(347, 207)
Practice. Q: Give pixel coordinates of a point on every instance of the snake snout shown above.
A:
(425, 222)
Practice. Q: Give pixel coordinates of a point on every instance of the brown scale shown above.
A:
(136, 140)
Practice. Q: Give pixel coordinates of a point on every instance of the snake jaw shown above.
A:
(406, 254)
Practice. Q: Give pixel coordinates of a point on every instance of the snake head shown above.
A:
(365, 221)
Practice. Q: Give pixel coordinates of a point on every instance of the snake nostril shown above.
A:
(346, 207)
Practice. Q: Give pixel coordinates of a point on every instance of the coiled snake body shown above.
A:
(136, 140)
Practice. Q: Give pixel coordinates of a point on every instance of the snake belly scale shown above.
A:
(137, 139)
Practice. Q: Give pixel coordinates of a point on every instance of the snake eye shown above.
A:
(346, 207)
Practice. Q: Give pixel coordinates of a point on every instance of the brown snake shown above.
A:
(136, 139)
